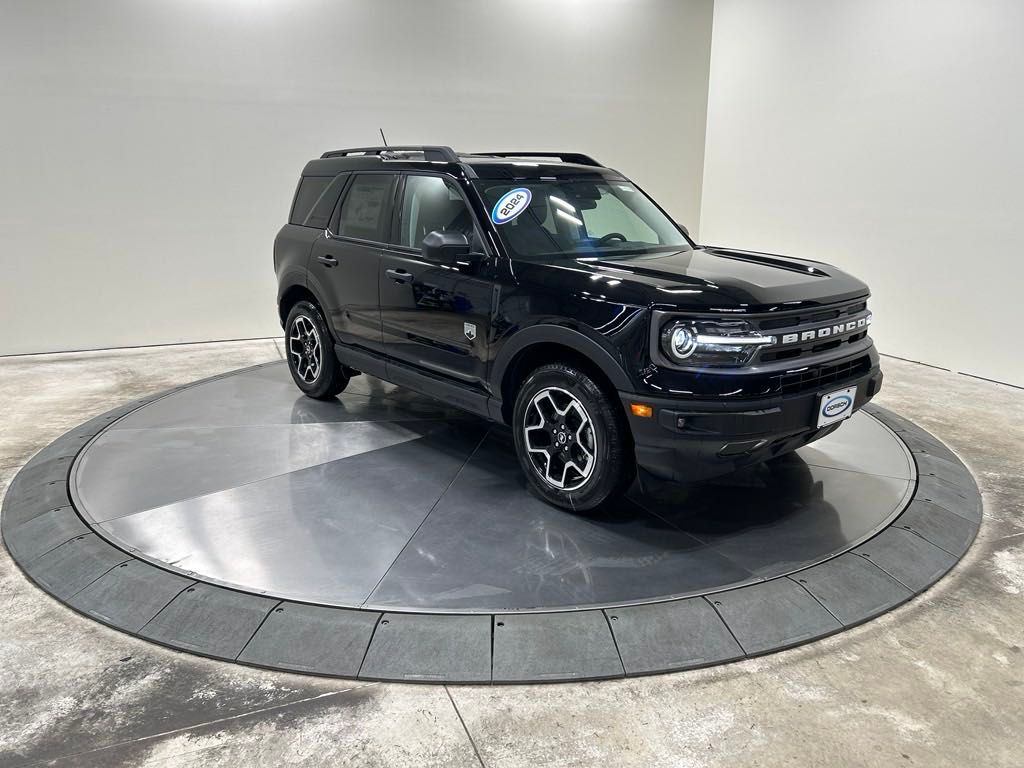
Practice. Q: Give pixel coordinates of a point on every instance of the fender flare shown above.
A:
(566, 337)
(305, 285)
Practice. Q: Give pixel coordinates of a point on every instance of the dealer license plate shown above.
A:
(836, 406)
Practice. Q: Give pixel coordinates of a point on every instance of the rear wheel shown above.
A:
(310, 352)
(571, 439)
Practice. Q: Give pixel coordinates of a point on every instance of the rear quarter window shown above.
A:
(309, 191)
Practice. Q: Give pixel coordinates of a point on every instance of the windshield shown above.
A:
(573, 218)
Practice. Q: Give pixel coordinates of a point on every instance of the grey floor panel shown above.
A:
(42, 533)
(773, 615)
(24, 502)
(42, 471)
(304, 501)
(430, 648)
(554, 646)
(677, 634)
(964, 501)
(129, 595)
(845, 449)
(922, 442)
(306, 535)
(66, 445)
(209, 620)
(911, 560)
(771, 520)
(265, 396)
(852, 588)
(74, 565)
(938, 525)
(947, 469)
(490, 545)
(198, 460)
(312, 638)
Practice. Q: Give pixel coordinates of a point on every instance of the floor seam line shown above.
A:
(425, 518)
(58, 546)
(469, 736)
(615, 642)
(725, 623)
(92, 523)
(273, 608)
(926, 539)
(814, 597)
(115, 565)
(179, 593)
(366, 652)
(891, 576)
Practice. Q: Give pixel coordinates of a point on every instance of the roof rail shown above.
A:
(444, 154)
(568, 157)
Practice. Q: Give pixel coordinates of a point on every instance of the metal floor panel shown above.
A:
(406, 545)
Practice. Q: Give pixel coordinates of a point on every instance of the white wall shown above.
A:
(887, 137)
(149, 150)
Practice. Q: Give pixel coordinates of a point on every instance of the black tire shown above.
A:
(309, 348)
(545, 392)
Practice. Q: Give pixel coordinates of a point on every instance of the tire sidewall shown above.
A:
(610, 469)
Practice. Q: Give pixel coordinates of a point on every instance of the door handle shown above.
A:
(400, 276)
(330, 261)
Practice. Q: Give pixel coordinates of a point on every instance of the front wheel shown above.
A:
(571, 439)
(311, 359)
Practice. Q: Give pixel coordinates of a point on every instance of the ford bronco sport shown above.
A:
(548, 292)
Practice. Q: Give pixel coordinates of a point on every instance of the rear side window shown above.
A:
(362, 213)
(310, 189)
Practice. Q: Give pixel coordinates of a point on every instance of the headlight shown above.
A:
(711, 343)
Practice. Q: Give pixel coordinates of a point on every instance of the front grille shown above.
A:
(795, 323)
(811, 317)
(822, 376)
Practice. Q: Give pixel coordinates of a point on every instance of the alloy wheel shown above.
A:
(305, 349)
(560, 438)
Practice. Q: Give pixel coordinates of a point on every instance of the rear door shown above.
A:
(434, 316)
(345, 263)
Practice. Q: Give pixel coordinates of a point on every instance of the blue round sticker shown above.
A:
(511, 204)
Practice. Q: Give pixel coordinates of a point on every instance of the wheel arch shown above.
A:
(291, 296)
(544, 344)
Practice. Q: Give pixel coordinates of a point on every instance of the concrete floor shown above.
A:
(937, 682)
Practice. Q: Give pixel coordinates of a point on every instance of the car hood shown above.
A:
(714, 279)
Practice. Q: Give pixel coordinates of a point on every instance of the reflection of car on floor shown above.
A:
(548, 292)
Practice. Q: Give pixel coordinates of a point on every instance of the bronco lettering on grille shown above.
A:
(824, 332)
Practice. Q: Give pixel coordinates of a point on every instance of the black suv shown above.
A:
(547, 292)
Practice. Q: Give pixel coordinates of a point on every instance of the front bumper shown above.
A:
(688, 440)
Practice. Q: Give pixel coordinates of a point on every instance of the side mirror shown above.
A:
(445, 247)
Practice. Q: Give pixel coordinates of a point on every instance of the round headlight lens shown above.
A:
(682, 342)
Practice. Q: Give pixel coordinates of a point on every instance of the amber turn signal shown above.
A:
(639, 409)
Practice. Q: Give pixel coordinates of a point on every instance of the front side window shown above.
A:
(362, 213)
(431, 204)
(575, 218)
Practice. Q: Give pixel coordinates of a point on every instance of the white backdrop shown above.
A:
(150, 149)
(887, 137)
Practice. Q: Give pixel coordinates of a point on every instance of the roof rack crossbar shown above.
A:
(569, 157)
(444, 154)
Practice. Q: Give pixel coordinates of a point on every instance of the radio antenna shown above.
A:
(382, 136)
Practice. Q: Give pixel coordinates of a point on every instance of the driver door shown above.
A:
(434, 316)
